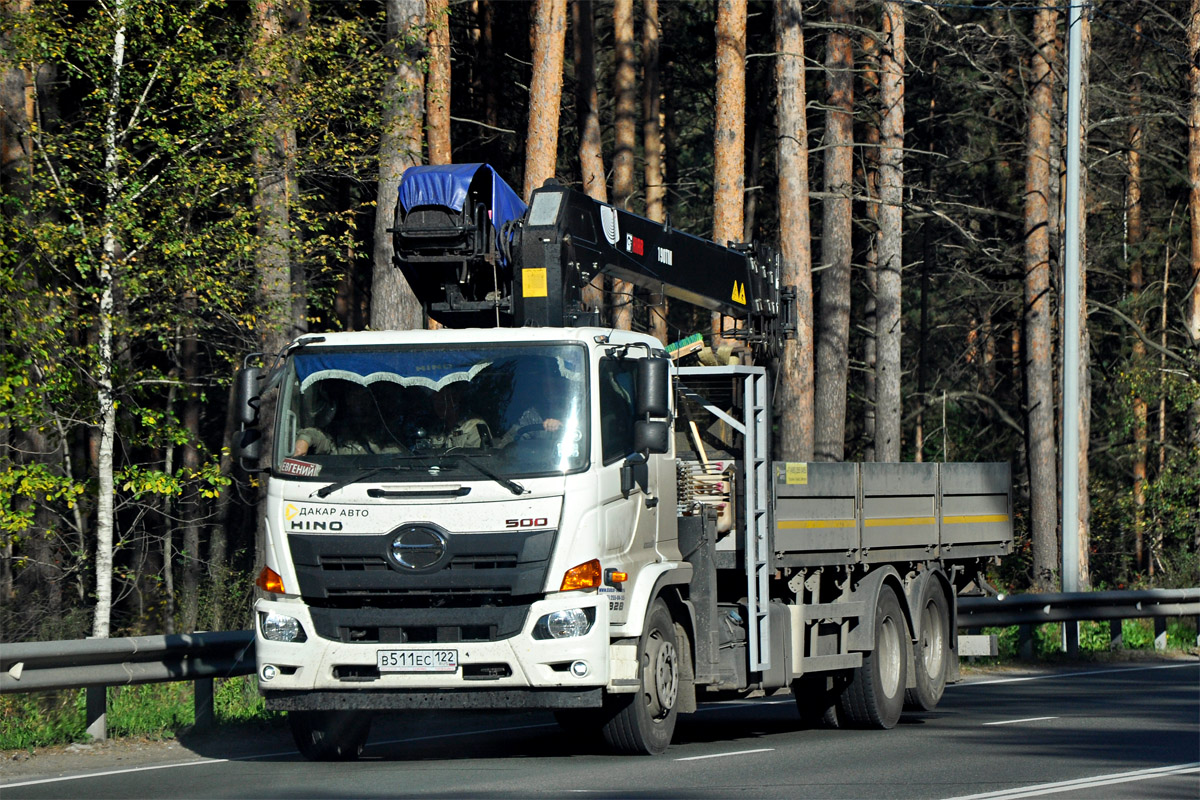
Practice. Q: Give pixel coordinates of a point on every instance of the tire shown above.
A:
(330, 735)
(817, 700)
(931, 658)
(643, 723)
(874, 697)
(581, 723)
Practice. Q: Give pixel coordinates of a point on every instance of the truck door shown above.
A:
(629, 527)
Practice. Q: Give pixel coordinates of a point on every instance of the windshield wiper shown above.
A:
(507, 483)
(325, 491)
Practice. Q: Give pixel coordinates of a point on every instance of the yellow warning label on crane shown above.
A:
(739, 293)
(533, 282)
(796, 473)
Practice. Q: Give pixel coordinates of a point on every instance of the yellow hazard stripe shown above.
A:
(968, 518)
(788, 524)
(893, 521)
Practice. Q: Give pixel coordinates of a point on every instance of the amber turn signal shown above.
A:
(584, 576)
(269, 581)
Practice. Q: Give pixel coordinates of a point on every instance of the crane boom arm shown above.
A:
(532, 272)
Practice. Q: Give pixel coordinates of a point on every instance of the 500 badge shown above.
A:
(528, 522)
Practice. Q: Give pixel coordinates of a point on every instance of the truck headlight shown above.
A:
(565, 624)
(278, 628)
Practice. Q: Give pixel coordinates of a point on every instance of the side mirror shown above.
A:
(247, 395)
(651, 436)
(635, 471)
(247, 446)
(653, 387)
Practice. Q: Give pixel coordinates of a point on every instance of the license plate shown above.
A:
(418, 660)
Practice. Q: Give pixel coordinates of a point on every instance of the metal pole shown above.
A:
(1071, 267)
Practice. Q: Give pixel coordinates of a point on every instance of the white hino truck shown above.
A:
(527, 510)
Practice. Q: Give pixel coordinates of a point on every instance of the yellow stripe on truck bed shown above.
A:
(789, 524)
(968, 518)
(889, 521)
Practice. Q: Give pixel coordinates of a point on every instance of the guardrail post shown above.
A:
(1160, 633)
(1070, 638)
(97, 712)
(1116, 636)
(203, 690)
(1025, 642)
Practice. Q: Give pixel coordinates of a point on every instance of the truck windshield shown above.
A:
(521, 406)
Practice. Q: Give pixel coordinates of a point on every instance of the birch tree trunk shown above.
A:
(729, 148)
(587, 114)
(1039, 383)
(393, 304)
(105, 519)
(652, 148)
(437, 90)
(625, 140)
(891, 256)
(833, 318)
(545, 92)
(794, 399)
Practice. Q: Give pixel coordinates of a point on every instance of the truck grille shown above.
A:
(481, 591)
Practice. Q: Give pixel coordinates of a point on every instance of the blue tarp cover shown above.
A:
(432, 369)
(447, 185)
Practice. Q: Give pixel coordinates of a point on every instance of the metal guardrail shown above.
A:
(84, 663)
(95, 664)
(1033, 609)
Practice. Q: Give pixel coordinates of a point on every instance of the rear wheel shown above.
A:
(643, 723)
(817, 699)
(875, 696)
(932, 657)
(330, 735)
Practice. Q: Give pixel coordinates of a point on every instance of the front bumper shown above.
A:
(342, 675)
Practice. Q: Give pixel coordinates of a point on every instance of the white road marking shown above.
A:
(1015, 721)
(722, 755)
(1071, 674)
(201, 761)
(1084, 783)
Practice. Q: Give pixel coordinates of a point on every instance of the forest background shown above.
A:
(189, 181)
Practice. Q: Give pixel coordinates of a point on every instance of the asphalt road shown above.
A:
(1114, 731)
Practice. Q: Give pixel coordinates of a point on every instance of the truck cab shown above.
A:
(463, 509)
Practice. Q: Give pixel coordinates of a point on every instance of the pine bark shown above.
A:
(1134, 234)
(1039, 358)
(891, 258)
(729, 149)
(870, 166)
(393, 304)
(794, 398)
(1083, 568)
(652, 148)
(437, 87)
(624, 140)
(833, 315)
(545, 91)
(1192, 300)
(587, 115)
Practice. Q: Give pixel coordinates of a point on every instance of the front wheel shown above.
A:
(875, 696)
(644, 723)
(330, 735)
